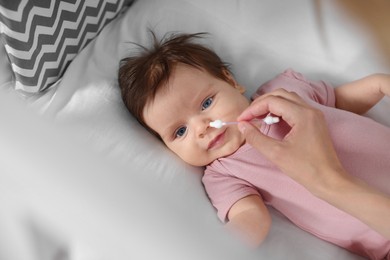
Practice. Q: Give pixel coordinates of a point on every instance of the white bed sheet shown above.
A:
(80, 179)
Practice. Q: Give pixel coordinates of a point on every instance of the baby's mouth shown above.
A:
(217, 141)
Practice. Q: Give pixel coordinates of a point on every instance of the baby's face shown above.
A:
(182, 111)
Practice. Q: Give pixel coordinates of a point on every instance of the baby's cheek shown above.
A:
(236, 141)
(195, 158)
(200, 161)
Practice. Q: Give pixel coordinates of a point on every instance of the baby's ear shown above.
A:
(240, 88)
(232, 81)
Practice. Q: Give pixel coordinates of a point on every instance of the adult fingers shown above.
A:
(288, 109)
(262, 105)
(264, 144)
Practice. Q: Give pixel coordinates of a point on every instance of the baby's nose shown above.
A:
(201, 126)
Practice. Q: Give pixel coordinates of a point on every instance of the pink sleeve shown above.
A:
(318, 91)
(225, 190)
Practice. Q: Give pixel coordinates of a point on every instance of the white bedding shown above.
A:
(80, 179)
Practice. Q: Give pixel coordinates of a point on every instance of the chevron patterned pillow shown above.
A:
(41, 38)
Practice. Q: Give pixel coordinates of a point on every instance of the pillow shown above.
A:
(42, 37)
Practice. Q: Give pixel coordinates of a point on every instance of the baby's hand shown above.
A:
(361, 95)
(385, 88)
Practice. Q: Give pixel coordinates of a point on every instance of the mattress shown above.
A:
(81, 179)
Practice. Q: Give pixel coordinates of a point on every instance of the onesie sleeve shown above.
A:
(317, 91)
(224, 190)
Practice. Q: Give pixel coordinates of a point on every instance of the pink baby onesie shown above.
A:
(362, 146)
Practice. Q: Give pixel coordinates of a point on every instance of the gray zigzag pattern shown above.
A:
(51, 65)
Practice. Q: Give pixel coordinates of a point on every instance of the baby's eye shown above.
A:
(207, 103)
(180, 132)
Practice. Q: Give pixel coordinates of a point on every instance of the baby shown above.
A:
(178, 87)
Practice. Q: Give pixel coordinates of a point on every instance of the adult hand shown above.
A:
(307, 155)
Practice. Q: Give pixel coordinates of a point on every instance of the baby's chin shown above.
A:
(225, 153)
(199, 162)
(229, 148)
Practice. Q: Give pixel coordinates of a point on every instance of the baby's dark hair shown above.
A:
(141, 76)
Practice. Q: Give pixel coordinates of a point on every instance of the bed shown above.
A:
(80, 179)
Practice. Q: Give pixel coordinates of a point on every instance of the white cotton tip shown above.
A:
(269, 120)
(216, 124)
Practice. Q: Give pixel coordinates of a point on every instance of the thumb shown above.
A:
(254, 137)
